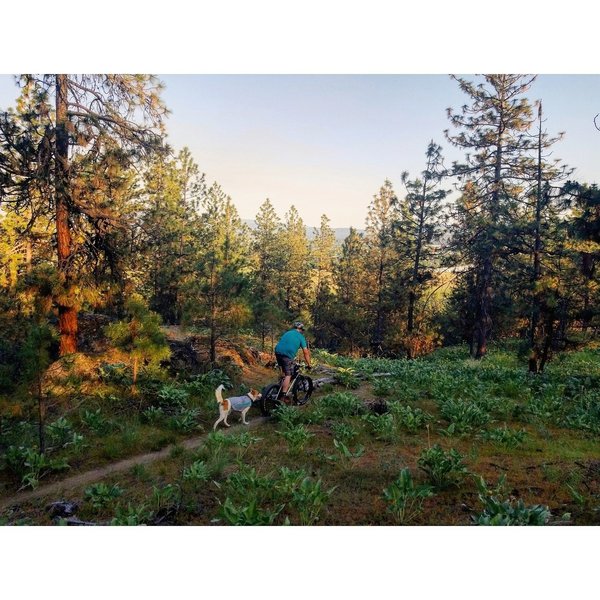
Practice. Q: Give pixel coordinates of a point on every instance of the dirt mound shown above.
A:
(77, 374)
(192, 351)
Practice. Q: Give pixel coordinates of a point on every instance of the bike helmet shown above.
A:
(298, 325)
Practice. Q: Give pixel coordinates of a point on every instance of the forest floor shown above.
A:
(59, 488)
(452, 424)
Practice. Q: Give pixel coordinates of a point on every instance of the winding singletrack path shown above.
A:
(100, 473)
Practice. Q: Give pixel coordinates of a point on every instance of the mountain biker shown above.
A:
(287, 348)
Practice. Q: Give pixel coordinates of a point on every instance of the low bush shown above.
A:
(510, 438)
(443, 469)
(101, 495)
(411, 419)
(405, 499)
(297, 437)
(497, 511)
(341, 404)
(464, 415)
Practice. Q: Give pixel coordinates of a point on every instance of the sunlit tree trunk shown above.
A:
(67, 312)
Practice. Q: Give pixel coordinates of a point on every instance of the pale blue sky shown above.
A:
(326, 143)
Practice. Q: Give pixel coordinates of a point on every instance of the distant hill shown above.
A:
(341, 233)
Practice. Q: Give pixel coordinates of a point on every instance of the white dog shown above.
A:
(241, 404)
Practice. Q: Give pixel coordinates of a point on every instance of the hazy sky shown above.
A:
(326, 143)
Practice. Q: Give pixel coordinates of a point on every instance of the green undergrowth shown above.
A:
(421, 443)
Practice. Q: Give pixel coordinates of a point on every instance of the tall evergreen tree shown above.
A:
(295, 276)
(78, 122)
(492, 129)
(268, 266)
(352, 281)
(172, 190)
(381, 246)
(216, 295)
(420, 226)
(323, 254)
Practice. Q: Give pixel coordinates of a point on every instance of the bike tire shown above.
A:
(269, 400)
(303, 389)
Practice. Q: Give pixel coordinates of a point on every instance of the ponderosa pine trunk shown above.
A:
(67, 311)
(536, 354)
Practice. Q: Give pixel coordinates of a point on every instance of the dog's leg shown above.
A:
(225, 419)
(221, 417)
(244, 416)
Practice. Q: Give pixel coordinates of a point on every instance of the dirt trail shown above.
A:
(123, 465)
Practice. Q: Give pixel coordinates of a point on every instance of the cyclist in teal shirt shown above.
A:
(287, 348)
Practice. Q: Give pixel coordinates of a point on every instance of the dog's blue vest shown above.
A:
(240, 402)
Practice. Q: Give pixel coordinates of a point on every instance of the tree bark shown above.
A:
(67, 311)
(537, 268)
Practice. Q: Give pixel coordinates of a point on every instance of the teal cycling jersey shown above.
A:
(289, 344)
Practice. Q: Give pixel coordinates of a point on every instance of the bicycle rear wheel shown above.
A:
(303, 389)
(269, 400)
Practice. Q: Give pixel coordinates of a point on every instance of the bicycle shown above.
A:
(301, 389)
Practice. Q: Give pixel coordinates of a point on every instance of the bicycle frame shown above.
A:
(293, 381)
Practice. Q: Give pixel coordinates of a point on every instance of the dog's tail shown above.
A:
(218, 394)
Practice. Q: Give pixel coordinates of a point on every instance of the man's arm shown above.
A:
(306, 353)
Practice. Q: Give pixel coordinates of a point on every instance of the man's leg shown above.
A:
(286, 383)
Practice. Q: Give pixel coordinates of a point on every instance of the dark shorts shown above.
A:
(285, 362)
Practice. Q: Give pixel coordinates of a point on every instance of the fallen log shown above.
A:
(323, 381)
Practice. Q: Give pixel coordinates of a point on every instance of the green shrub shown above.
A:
(185, 420)
(95, 422)
(296, 437)
(101, 495)
(341, 404)
(204, 385)
(383, 387)
(410, 418)
(247, 484)
(383, 426)
(507, 512)
(153, 415)
(132, 515)
(288, 415)
(464, 415)
(442, 468)
(344, 452)
(511, 438)
(405, 499)
(583, 412)
(197, 472)
(344, 432)
(28, 464)
(60, 433)
(166, 499)
(172, 398)
(309, 498)
(288, 480)
(347, 377)
(248, 513)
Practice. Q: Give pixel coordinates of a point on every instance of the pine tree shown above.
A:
(352, 281)
(216, 295)
(268, 267)
(493, 129)
(295, 276)
(67, 126)
(420, 227)
(381, 247)
(542, 218)
(141, 336)
(323, 254)
(172, 191)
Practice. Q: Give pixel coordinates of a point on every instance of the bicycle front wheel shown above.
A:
(269, 400)
(303, 389)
